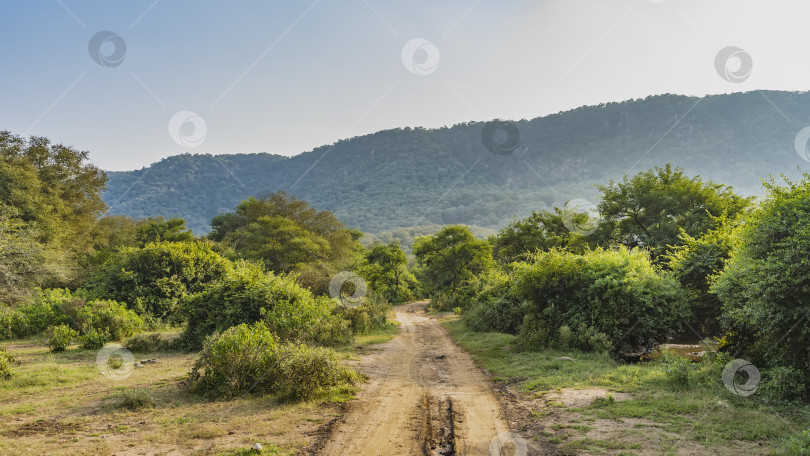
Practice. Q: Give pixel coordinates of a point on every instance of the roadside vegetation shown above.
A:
(170, 337)
(663, 257)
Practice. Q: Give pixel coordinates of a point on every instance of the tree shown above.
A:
(543, 230)
(289, 235)
(651, 208)
(387, 273)
(765, 287)
(66, 186)
(281, 244)
(24, 262)
(452, 256)
(53, 195)
(157, 229)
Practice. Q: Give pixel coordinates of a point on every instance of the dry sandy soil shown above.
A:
(425, 396)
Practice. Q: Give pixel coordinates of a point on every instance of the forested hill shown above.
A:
(412, 177)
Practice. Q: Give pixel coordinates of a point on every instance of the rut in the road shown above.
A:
(439, 432)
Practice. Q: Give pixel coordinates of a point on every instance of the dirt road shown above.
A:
(425, 396)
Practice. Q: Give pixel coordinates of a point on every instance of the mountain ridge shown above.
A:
(407, 177)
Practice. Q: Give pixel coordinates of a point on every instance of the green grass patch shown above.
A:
(688, 404)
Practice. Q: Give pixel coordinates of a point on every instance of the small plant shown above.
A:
(457, 310)
(6, 361)
(604, 401)
(136, 399)
(797, 445)
(93, 340)
(60, 337)
(678, 370)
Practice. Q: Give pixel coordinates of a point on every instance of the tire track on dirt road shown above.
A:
(425, 396)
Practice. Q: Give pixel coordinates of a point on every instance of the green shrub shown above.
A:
(93, 340)
(155, 279)
(695, 262)
(629, 305)
(146, 343)
(13, 324)
(247, 359)
(290, 311)
(55, 307)
(240, 360)
(52, 307)
(370, 315)
(60, 337)
(679, 371)
(765, 287)
(110, 318)
(136, 400)
(304, 370)
(588, 338)
(783, 385)
(495, 307)
(6, 361)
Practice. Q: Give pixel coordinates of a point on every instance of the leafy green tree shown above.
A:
(452, 256)
(155, 279)
(765, 287)
(541, 231)
(157, 229)
(651, 208)
(51, 184)
(280, 243)
(53, 195)
(24, 262)
(289, 235)
(695, 262)
(386, 272)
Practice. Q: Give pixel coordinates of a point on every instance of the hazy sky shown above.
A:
(286, 76)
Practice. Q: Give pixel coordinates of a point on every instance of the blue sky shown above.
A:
(285, 77)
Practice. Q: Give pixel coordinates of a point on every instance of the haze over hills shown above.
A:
(415, 176)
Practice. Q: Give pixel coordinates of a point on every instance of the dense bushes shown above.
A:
(249, 359)
(495, 307)
(695, 263)
(109, 319)
(153, 280)
(370, 315)
(96, 321)
(50, 307)
(290, 311)
(611, 298)
(146, 343)
(13, 323)
(765, 287)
